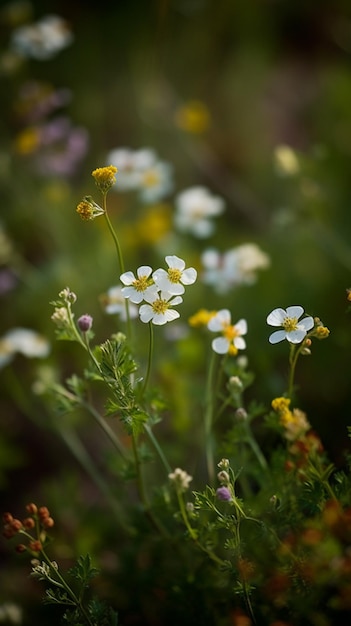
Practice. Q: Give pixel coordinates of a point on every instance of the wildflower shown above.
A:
(140, 288)
(23, 341)
(42, 40)
(155, 182)
(195, 208)
(322, 332)
(125, 160)
(180, 478)
(201, 318)
(293, 330)
(174, 279)
(105, 177)
(85, 323)
(193, 117)
(68, 296)
(223, 476)
(113, 303)
(60, 317)
(224, 464)
(223, 493)
(281, 404)
(295, 424)
(231, 340)
(88, 209)
(158, 310)
(236, 266)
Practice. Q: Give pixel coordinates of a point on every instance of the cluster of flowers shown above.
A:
(22, 341)
(33, 528)
(236, 266)
(43, 39)
(161, 289)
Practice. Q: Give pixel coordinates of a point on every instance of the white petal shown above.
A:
(214, 324)
(241, 327)
(276, 317)
(174, 289)
(159, 274)
(220, 345)
(171, 315)
(294, 311)
(132, 294)
(144, 270)
(239, 343)
(127, 278)
(279, 335)
(296, 336)
(151, 294)
(189, 276)
(175, 262)
(307, 323)
(146, 313)
(176, 300)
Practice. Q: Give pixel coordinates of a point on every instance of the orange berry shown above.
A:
(36, 546)
(21, 547)
(32, 508)
(48, 522)
(7, 518)
(16, 525)
(29, 522)
(43, 512)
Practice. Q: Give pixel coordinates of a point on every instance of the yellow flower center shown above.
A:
(160, 306)
(230, 332)
(289, 324)
(142, 283)
(174, 275)
(150, 178)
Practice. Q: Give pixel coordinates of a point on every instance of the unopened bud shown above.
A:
(85, 323)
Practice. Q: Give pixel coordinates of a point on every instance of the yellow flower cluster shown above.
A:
(294, 422)
(201, 318)
(105, 177)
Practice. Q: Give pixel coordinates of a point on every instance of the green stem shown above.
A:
(149, 361)
(119, 255)
(208, 419)
(157, 447)
(255, 447)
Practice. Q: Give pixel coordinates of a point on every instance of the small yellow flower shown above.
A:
(193, 117)
(201, 318)
(281, 405)
(88, 209)
(105, 177)
(322, 332)
(27, 141)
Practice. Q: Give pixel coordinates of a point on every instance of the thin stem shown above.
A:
(149, 361)
(119, 256)
(209, 418)
(157, 447)
(294, 354)
(106, 428)
(255, 447)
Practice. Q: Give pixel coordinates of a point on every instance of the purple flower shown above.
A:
(85, 323)
(223, 493)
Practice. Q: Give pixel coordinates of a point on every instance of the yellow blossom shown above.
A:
(193, 117)
(201, 318)
(27, 141)
(322, 332)
(281, 405)
(105, 177)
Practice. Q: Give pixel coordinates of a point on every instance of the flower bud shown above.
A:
(223, 476)
(85, 323)
(241, 414)
(223, 493)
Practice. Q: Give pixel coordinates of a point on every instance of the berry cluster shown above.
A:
(33, 528)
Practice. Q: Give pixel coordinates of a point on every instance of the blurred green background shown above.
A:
(268, 73)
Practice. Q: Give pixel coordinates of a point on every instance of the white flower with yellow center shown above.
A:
(232, 334)
(159, 309)
(174, 279)
(138, 288)
(195, 208)
(292, 329)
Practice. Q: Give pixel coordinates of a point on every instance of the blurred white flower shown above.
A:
(10, 613)
(138, 288)
(195, 208)
(159, 309)
(236, 266)
(292, 330)
(23, 341)
(174, 279)
(141, 170)
(114, 304)
(180, 478)
(231, 340)
(42, 40)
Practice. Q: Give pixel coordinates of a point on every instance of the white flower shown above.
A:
(11, 613)
(195, 208)
(159, 310)
(231, 340)
(236, 266)
(174, 279)
(114, 304)
(293, 330)
(42, 40)
(155, 182)
(142, 170)
(125, 160)
(138, 289)
(23, 341)
(180, 478)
